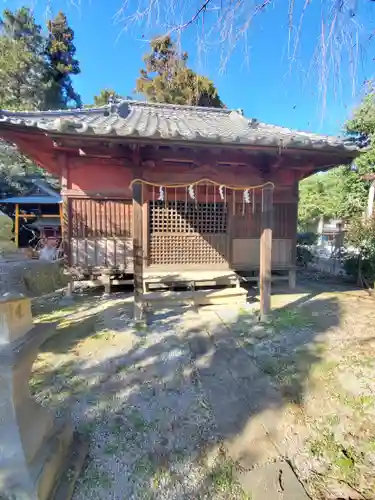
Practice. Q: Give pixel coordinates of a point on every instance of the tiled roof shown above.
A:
(134, 119)
(32, 200)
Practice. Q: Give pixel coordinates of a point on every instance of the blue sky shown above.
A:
(268, 87)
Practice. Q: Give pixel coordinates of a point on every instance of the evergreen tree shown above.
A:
(167, 78)
(60, 52)
(343, 192)
(103, 98)
(21, 25)
(23, 73)
(26, 81)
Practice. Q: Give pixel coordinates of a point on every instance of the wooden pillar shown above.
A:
(64, 208)
(138, 249)
(266, 252)
(370, 201)
(65, 223)
(61, 214)
(292, 279)
(293, 255)
(106, 280)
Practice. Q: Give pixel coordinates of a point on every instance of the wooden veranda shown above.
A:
(185, 227)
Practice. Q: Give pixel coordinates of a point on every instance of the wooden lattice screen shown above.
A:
(100, 233)
(100, 218)
(188, 233)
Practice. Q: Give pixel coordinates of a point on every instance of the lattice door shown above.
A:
(188, 233)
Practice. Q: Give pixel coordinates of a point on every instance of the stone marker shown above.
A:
(36, 448)
(273, 481)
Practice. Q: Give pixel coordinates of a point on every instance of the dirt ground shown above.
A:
(159, 410)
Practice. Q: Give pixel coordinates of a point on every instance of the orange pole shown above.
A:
(61, 216)
(17, 225)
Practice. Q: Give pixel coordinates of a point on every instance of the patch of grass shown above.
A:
(144, 466)
(122, 368)
(37, 383)
(323, 371)
(138, 422)
(46, 375)
(222, 476)
(76, 385)
(111, 448)
(65, 370)
(117, 426)
(178, 455)
(96, 478)
(160, 478)
(283, 319)
(140, 326)
(333, 420)
(144, 495)
(270, 365)
(223, 480)
(343, 459)
(366, 361)
(70, 333)
(370, 445)
(104, 334)
(318, 348)
(86, 428)
(326, 444)
(360, 404)
(56, 314)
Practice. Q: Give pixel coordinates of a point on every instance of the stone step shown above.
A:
(157, 275)
(225, 296)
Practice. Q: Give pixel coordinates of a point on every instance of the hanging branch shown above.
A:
(342, 40)
(201, 10)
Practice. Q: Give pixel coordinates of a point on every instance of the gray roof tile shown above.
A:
(134, 119)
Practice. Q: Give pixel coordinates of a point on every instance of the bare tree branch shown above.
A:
(226, 25)
(201, 10)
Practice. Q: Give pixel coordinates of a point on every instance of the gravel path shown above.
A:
(139, 399)
(167, 408)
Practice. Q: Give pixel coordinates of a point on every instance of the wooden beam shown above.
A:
(266, 253)
(31, 216)
(138, 249)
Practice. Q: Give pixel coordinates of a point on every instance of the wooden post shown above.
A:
(294, 221)
(17, 225)
(266, 253)
(65, 223)
(61, 214)
(64, 209)
(292, 279)
(370, 202)
(138, 250)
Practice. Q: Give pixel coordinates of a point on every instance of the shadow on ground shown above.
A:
(159, 401)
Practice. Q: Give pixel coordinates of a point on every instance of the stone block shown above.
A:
(35, 446)
(15, 319)
(273, 481)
